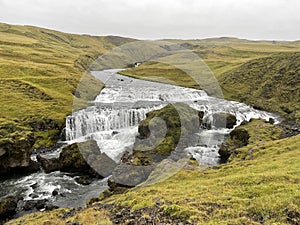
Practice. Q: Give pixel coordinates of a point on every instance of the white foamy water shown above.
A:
(124, 103)
(113, 122)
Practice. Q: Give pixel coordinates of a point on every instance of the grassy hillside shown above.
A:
(39, 73)
(260, 185)
(263, 74)
(271, 83)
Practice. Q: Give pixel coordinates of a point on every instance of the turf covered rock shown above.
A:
(224, 120)
(83, 157)
(15, 150)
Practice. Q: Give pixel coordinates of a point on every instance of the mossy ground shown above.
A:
(262, 74)
(163, 129)
(65, 216)
(257, 188)
(39, 73)
(40, 70)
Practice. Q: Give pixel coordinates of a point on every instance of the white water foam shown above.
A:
(125, 101)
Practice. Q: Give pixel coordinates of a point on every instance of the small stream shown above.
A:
(113, 122)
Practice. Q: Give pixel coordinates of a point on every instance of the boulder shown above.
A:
(163, 131)
(15, 152)
(98, 161)
(239, 137)
(131, 175)
(83, 180)
(49, 165)
(83, 157)
(224, 153)
(8, 207)
(224, 120)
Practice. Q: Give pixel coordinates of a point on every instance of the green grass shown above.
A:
(263, 188)
(55, 217)
(161, 72)
(271, 83)
(267, 79)
(39, 73)
(259, 185)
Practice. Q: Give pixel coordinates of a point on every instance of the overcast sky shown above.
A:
(156, 19)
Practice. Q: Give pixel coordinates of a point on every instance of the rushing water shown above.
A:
(113, 122)
(124, 102)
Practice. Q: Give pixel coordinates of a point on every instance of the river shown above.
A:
(113, 121)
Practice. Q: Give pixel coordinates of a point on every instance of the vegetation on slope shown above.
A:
(65, 216)
(162, 130)
(278, 86)
(266, 79)
(260, 185)
(39, 73)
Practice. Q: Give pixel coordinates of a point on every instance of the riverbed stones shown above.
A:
(239, 137)
(225, 120)
(131, 175)
(15, 152)
(162, 133)
(8, 207)
(84, 157)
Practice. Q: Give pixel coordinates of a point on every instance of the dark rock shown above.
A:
(32, 195)
(84, 180)
(34, 186)
(33, 205)
(97, 160)
(289, 130)
(239, 137)
(84, 157)
(224, 120)
(271, 121)
(50, 207)
(115, 132)
(15, 152)
(32, 167)
(8, 207)
(49, 165)
(131, 175)
(55, 192)
(224, 153)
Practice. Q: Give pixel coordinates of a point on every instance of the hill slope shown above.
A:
(39, 73)
(270, 83)
(260, 185)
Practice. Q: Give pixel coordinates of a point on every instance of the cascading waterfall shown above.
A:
(124, 102)
(113, 122)
(84, 123)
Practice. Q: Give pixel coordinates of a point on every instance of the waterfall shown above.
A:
(113, 119)
(96, 119)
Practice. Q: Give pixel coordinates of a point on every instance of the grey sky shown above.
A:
(155, 19)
